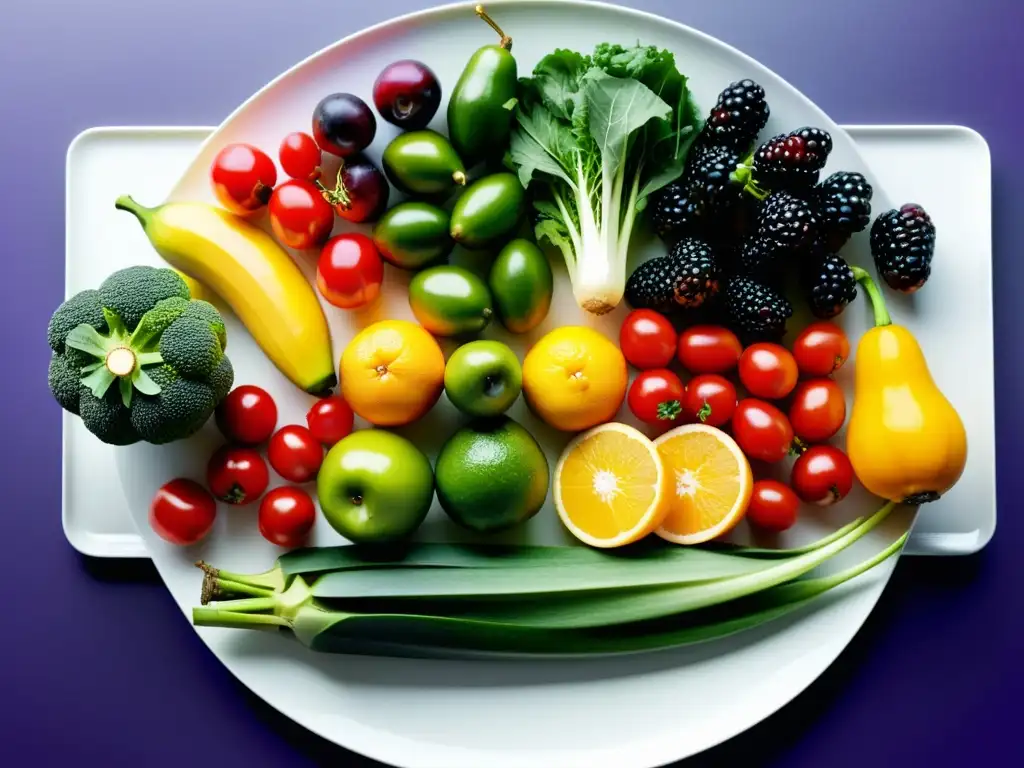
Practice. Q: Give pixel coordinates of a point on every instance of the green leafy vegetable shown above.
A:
(594, 137)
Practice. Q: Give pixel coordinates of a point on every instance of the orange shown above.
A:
(611, 486)
(711, 483)
(575, 378)
(392, 372)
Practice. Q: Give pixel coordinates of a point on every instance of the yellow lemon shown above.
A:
(392, 372)
(575, 378)
(711, 483)
(611, 486)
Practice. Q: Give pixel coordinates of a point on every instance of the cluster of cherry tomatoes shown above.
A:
(183, 511)
(784, 402)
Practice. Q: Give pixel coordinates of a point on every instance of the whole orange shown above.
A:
(392, 373)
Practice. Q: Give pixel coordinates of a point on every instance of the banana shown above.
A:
(254, 276)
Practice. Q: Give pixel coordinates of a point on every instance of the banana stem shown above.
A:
(877, 300)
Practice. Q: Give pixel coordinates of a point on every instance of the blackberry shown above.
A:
(707, 175)
(793, 160)
(676, 210)
(760, 258)
(697, 272)
(903, 244)
(788, 219)
(844, 204)
(829, 284)
(652, 285)
(755, 311)
(739, 115)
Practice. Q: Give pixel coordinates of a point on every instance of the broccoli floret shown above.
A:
(133, 291)
(65, 382)
(179, 411)
(157, 320)
(190, 346)
(84, 307)
(106, 417)
(222, 379)
(204, 310)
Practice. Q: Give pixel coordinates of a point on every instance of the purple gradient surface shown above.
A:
(97, 661)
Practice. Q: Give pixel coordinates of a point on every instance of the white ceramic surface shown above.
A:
(640, 711)
(946, 168)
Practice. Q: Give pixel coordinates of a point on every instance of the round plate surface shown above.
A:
(624, 712)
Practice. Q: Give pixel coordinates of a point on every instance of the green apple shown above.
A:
(483, 378)
(375, 487)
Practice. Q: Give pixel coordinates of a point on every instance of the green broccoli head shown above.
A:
(179, 411)
(65, 380)
(190, 346)
(82, 308)
(106, 417)
(205, 311)
(152, 325)
(222, 379)
(132, 292)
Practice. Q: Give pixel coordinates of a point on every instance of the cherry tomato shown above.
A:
(647, 339)
(656, 397)
(822, 475)
(818, 410)
(286, 516)
(243, 178)
(350, 271)
(182, 512)
(300, 156)
(300, 216)
(710, 399)
(295, 454)
(330, 419)
(762, 430)
(709, 349)
(768, 370)
(237, 475)
(821, 349)
(773, 506)
(247, 416)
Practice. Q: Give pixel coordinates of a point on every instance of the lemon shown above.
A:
(574, 378)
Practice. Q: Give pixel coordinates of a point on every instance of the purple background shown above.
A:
(98, 662)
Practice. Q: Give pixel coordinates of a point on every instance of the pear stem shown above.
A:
(506, 41)
(875, 295)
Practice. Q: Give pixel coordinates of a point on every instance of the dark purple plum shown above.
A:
(360, 192)
(343, 124)
(407, 94)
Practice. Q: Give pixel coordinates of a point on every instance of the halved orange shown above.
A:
(611, 487)
(710, 483)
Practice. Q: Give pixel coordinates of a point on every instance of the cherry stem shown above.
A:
(506, 41)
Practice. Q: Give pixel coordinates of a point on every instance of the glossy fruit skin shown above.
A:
(247, 416)
(821, 349)
(710, 399)
(243, 178)
(413, 234)
(375, 487)
(360, 193)
(647, 339)
(817, 410)
(489, 211)
(295, 454)
(407, 94)
(450, 301)
(300, 156)
(286, 516)
(299, 215)
(521, 284)
(392, 372)
(182, 512)
(823, 475)
(768, 371)
(423, 163)
(237, 475)
(330, 419)
(483, 378)
(773, 506)
(904, 438)
(479, 122)
(709, 349)
(350, 271)
(656, 397)
(762, 430)
(343, 124)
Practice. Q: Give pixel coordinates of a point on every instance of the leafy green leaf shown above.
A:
(99, 381)
(558, 77)
(115, 324)
(87, 339)
(125, 384)
(541, 143)
(618, 108)
(144, 383)
(149, 358)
